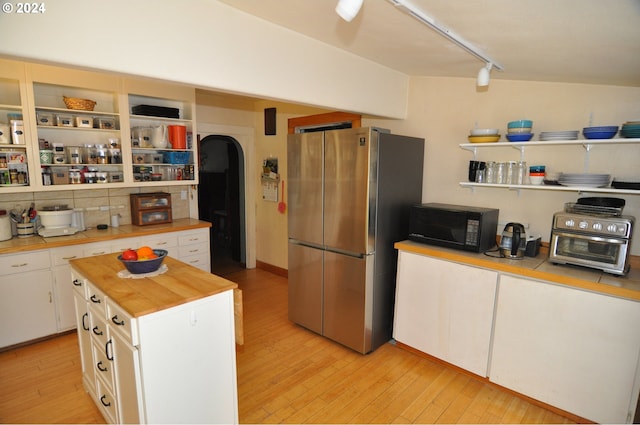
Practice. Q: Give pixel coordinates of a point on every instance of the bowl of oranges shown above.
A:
(142, 260)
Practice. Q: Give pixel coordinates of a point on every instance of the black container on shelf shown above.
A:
(156, 111)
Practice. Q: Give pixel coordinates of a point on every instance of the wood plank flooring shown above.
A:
(286, 374)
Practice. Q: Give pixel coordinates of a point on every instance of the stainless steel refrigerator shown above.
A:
(349, 196)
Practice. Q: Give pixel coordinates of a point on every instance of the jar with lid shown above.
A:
(490, 172)
(101, 177)
(90, 154)
(74, 176)
(101, 154)
(116, 156)
(75, 154)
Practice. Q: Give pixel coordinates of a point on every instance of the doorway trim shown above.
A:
(245, 137)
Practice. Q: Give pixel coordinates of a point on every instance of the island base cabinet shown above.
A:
(187, 355)
(569, 348)
(445, 309)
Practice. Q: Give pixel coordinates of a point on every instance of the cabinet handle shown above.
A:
(70, 258)
(98, 253)
(103, 403)
(77, 282)
(97, 331)
(100, 367)
(161, 243)
(50, 297)
(108, 350)
(115, 320)
(84, 325)
(19, 265)
(95, 299)
(194, 250)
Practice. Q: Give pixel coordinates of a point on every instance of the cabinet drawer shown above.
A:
(24, 262)
(201, 261)
(195, 249)
(98, 327)
(61, 256)
(165, 241)
(194, 237)
(106, 402)
(97, 300)
(79, 285)
(96, 249)
(123, 244)
(122, 322)
(103, 364)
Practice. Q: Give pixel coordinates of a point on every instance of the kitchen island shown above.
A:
(158, 349)
(562, 335)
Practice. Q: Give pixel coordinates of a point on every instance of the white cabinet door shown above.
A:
(27, 308)
(445, 309)
(573, 349)
(84, 341)
(127, 376)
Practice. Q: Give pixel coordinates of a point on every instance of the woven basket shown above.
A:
(79, 104)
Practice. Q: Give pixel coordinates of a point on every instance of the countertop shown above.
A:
(180, 284)
(539, 268)
(16, 245)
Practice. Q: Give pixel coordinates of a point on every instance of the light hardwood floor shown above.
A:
(286, 374)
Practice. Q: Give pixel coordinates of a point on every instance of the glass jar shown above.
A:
(490, 172)
(75, 154)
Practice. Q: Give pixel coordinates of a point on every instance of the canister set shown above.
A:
(87, 154)
(12, 133)
(509, 173)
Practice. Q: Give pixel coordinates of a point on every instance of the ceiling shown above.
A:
(575, 41)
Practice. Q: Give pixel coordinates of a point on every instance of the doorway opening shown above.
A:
(221, 201)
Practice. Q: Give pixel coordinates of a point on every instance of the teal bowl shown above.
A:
(520, 124)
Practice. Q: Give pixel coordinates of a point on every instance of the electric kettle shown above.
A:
(513, 242)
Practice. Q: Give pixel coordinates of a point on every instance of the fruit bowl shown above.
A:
(145, 266)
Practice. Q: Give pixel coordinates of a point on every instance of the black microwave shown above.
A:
(454, 226)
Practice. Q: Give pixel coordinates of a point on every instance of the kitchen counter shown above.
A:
(538, 268)
(180, 284)
(16, 245)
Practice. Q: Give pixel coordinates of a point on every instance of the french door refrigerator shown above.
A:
(350, 192)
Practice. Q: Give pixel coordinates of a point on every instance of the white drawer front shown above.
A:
(24, 262)
(79, 284)
(98, 328)
(97, 300)
(122, 322)
(103, 363)
(165, 241)
(196, 249)
(201, 261)
(96, 249)
(106, 402)
(61, 256)
(195, 237)
(124, 244)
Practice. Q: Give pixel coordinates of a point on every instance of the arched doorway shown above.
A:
(221, 200)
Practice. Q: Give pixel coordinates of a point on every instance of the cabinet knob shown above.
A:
(97, 331)
(100, 367)
(95, 299)
(77, 282)
(107, 404)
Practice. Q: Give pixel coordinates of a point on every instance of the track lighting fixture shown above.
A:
(348, 9)
(484, 75)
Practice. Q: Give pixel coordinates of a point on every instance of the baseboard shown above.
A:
(272, 269)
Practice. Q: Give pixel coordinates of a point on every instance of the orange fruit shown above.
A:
(145, 252)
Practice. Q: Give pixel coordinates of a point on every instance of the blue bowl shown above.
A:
(520, 124)
(519, 137)
(601, 128)
(599, 134)
(145, 266)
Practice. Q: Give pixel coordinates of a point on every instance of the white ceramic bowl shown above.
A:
(519, 130)
(484, 132)
(537, 180)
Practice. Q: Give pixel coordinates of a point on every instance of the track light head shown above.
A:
(348, 9)
(484, 75)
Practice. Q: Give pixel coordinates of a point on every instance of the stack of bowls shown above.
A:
(603, 132)
(536, 174)
(519, 131)
(631, 129)
(484, 135)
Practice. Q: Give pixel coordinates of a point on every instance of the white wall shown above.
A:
(443, 110)
(203, 43)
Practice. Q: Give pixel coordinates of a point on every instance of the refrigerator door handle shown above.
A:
(348, 253)
(306, 243)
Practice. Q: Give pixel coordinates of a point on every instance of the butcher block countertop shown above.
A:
(180, 284)
(538, 268)
(17, 245)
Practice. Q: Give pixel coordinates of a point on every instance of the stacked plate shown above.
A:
(585, 180)
(559, 135)
(630, 129)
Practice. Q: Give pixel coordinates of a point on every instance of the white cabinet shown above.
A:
(27, 308)
(573, 349)
(194, 248)
(64, 301)
(445, 309)
(175, 365)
